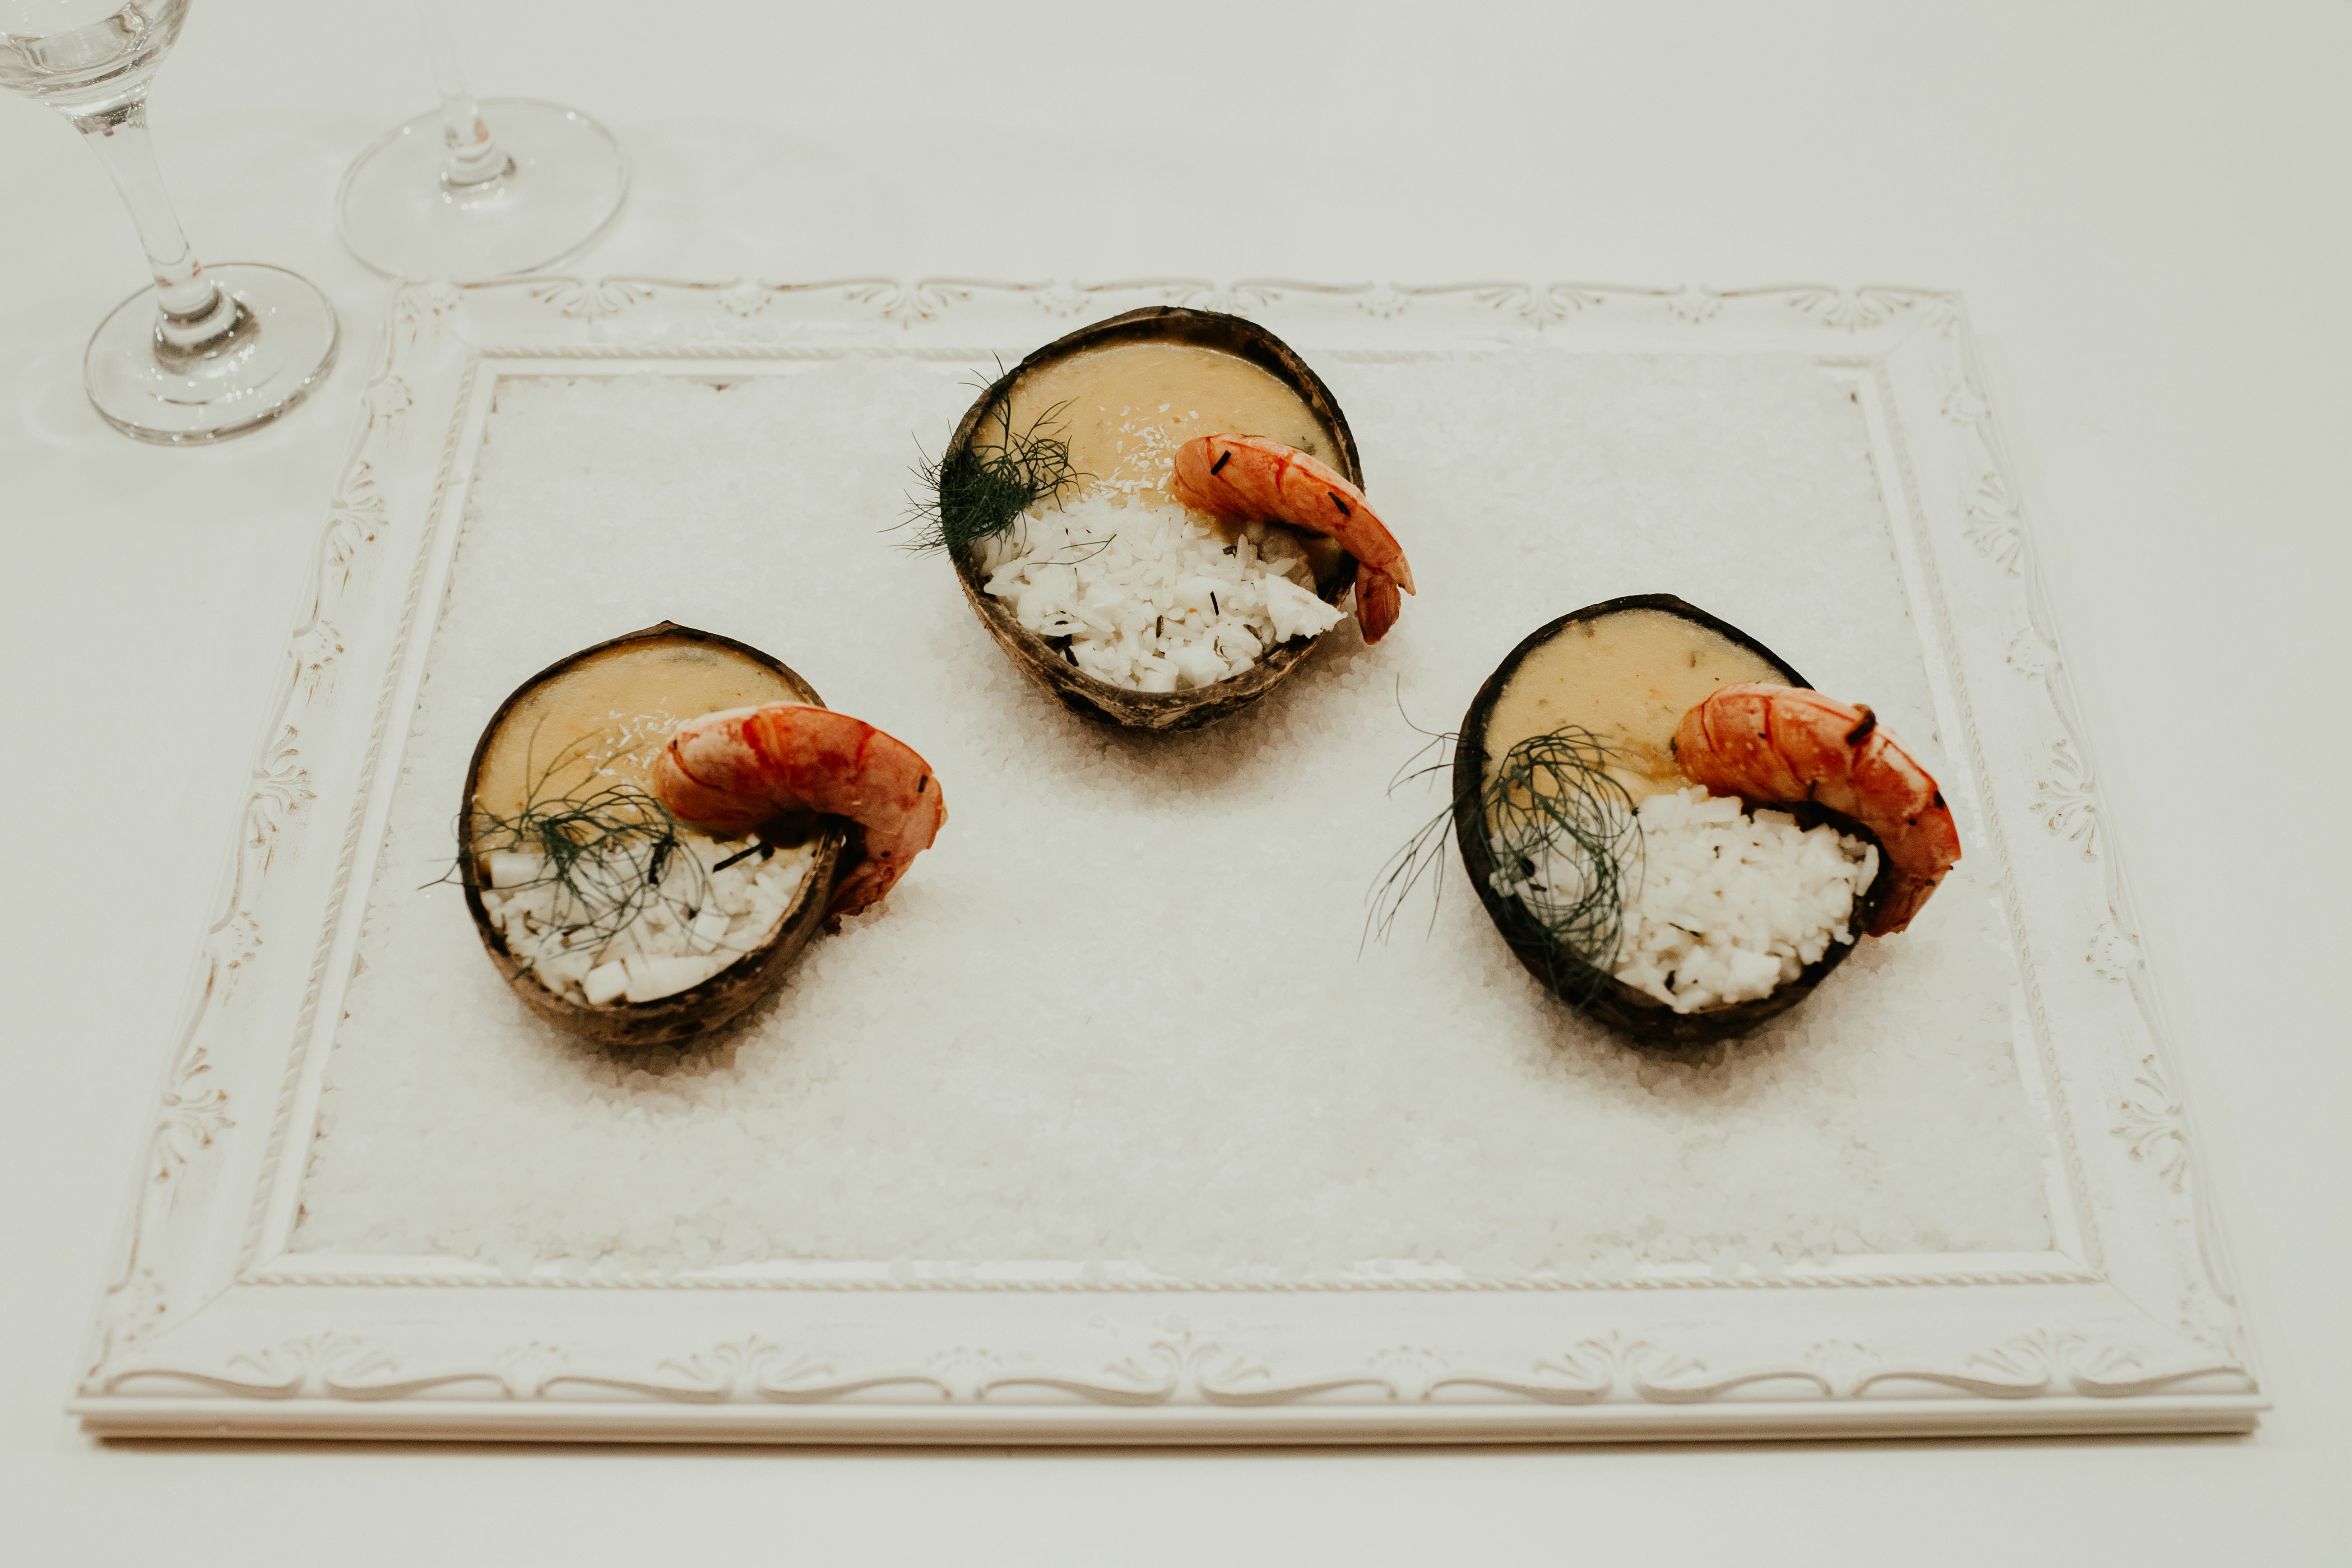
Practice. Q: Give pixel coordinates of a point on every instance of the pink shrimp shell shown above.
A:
(1777, 744)
(1250, 478)
(730, 771)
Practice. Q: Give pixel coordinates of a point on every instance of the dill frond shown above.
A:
(980, 490)
(1423, 854)
(1551, 811)
(1553, 807)
(616, 853)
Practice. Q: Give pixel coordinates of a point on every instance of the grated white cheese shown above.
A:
(1153, 595)
(1729, 906)
(703, 919)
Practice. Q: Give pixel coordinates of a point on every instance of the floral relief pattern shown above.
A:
(1061, 299)
(592, 302)
(194, 1112)
(1844, 1366)
(1186, 1369)
(1540, 308)
(1992, 524)
(753, 1369)
(743, 301)
(2031, 655)
(2211, 1321)
(337, 1366)
(1694, 304)
(2036, 1363)
(904, 304)
(386, 399)
(359, 515)
(316, 646)
(235, 940)
(2151, 1125)
(357, 518)
(1849, 310)
(1585, 1372)
(417, 308)
(1167, 1368)
(2113, 952)
(2065, 803)
(525, 1371)
(1965, 405)
(1182, 1367)
(139, 1309)
(280, 787)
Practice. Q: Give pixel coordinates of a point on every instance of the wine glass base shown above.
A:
(284, 347)
(566, 183)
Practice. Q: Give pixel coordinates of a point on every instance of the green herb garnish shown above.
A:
(1554, 800)
(979, 491)
(614, 852)
(1551, 803)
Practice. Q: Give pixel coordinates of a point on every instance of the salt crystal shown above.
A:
(1118, 1013)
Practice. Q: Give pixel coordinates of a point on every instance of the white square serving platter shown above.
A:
(211, 1323)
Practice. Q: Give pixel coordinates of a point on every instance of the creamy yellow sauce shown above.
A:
(1125, 408)
(603, 721)
(1628, 677)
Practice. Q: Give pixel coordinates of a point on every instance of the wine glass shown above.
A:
(442, 196)
(210, 353)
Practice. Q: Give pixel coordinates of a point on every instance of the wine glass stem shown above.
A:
(196, 313)
(473, 160)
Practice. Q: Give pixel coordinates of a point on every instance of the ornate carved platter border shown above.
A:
(208, 1325)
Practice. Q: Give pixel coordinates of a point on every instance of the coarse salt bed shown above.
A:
(1723, 907)
(1155, 597)
(1119, 1013)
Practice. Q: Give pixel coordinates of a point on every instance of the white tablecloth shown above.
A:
(2147, 206)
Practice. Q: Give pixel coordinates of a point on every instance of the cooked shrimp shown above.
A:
(1248, 478)
(1776, 744)
(730, 771)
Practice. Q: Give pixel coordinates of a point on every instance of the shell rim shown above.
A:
(1650, 1022)
(1165, 323)
(658, 1021)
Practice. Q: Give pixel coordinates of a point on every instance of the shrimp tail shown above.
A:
(1377, 604)
(1906, 895)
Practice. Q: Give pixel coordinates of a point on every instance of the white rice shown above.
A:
(1726, 907)
(1153, 595)
(701, 920)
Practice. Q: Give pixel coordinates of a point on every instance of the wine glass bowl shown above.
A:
(89, 57)
(204, 355)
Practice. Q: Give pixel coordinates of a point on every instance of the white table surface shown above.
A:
(2145, 204)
